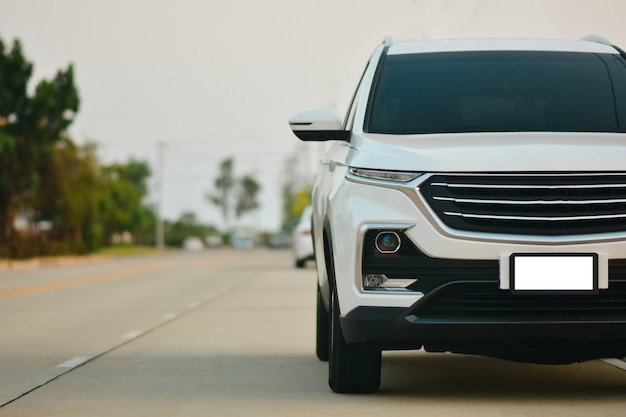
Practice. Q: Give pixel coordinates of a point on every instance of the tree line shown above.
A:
(55, 196)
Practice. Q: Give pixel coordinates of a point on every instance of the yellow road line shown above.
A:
(83, 281)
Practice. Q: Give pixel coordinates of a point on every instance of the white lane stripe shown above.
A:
(170, 316)
(194, 305)
(132, 334)
(74, 362)
(616, 362)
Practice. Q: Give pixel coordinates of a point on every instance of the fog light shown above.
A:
(387, 242)
(371, 281)
(382, 282)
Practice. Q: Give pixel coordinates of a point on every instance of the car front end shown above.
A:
(430, 252)
(475, 202)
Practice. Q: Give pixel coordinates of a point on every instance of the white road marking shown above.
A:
(210, 297)
(74, 362)
(132, 334)
(170, 316)
(616, 362)
(194, 305)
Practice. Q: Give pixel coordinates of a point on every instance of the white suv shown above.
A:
(475, 202)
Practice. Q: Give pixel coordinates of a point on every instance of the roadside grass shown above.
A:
(104, 253)
(128, 250)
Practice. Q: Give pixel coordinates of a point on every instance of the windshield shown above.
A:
(494, 91)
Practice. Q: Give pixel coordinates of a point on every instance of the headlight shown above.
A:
(375, 174)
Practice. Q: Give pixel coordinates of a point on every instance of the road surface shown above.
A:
(231, 333)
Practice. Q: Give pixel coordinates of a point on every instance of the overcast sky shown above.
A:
(214, 79)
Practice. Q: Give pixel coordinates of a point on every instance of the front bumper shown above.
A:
(555, 342)
(463, 308)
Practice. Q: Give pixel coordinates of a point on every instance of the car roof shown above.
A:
(465, 45)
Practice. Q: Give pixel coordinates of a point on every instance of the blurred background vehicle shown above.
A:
(193, 244)
(279, 240)
(243, 239)
(213, 241)
(302, 240)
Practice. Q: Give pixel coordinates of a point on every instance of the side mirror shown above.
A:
(318, 125)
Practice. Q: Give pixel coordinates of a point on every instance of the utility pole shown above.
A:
(159, 206)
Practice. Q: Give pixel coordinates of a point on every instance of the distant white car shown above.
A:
(193, 244)
(302, 240)
(213, 241)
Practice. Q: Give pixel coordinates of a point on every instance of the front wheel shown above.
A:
(351, 370)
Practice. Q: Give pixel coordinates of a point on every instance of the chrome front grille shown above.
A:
(529, 204)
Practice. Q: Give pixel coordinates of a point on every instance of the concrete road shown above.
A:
(228, 333)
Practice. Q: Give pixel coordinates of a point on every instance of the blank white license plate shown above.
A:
(554, 272)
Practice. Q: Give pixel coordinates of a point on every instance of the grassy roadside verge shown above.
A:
(99, 256)
(128, 251)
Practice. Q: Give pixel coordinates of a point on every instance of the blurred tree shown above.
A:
(68, 197)
(123, 187)
(29, 128)
(248, 191)
(302, 198)
(294, 202)
(288, 219)
(232, 194)
(296, 188)
(186, 226)
(224, 187)
(136, 173)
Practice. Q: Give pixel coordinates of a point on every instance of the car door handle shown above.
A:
(324, 160)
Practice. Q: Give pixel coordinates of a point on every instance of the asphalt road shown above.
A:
(230, 333)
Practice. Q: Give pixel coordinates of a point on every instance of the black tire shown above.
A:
(322, 339)
(300, 263)
(350, 369)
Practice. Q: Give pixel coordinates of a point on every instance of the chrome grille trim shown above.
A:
(541, 219)
(529, 204)
(529, 187)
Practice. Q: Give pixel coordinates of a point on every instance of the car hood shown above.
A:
(491, 152)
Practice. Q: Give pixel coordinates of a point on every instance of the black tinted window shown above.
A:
(493, 91)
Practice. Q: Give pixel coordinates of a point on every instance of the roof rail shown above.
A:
(388, 41)
(605, 41)
(598, 39)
